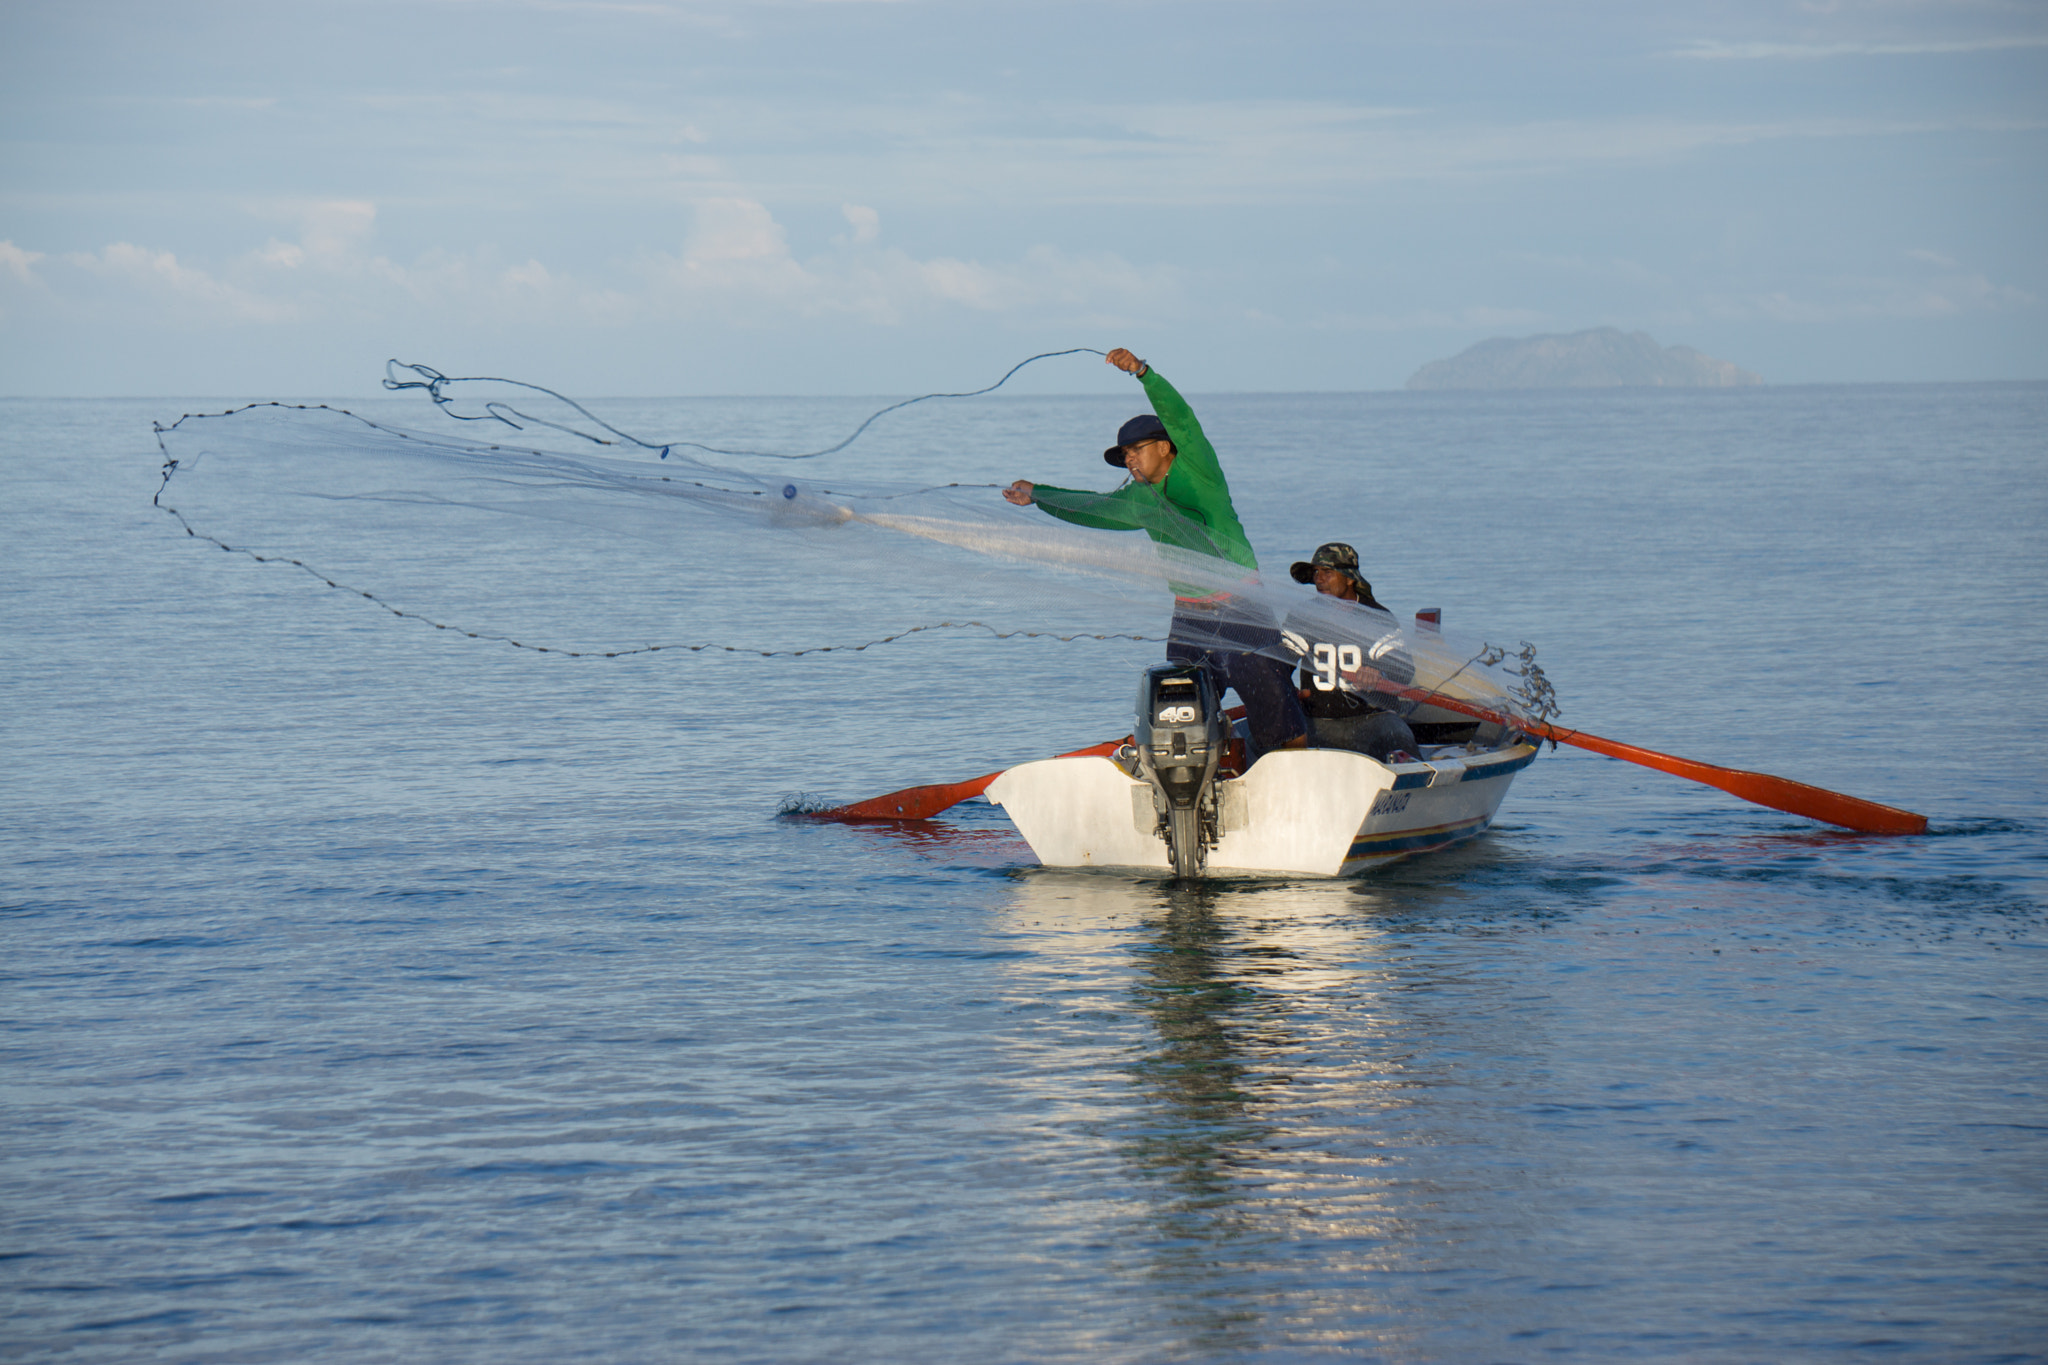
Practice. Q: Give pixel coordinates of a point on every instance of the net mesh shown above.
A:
(620, 545)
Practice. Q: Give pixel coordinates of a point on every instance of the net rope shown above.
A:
(437, 385)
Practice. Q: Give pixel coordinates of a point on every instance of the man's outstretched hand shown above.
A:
(1127, 362)
(1019, 493)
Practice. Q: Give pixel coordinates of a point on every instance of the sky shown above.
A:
(672, 198)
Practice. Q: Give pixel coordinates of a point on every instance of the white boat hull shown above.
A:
(1302, 812)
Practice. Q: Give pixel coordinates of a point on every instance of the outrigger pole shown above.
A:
(1763, 789)
(922, 803)
(1779, 793)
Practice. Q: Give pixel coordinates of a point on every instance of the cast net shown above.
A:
(538, 525)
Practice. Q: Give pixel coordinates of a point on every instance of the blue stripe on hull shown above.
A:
(1480, 772)
(1416, 841)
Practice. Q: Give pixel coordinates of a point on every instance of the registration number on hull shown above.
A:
(1387, 803)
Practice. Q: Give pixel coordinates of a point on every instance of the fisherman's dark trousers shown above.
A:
(1228, 646)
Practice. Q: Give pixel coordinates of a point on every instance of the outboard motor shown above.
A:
(1179, 738)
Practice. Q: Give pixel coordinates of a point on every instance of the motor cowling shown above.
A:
(1178, 734)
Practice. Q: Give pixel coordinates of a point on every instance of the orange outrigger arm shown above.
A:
(1779, 793)
(922, 803)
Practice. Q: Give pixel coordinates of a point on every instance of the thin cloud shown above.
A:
(1869, 299)
(984, 148)
(252, 103)
(1228, 153)
(1487, 316)
(865, 222)
(738, 257)
(711, 17)
(19, 262)
(1710, 50)
(166, 283)
(1614, 268)
(736, 266)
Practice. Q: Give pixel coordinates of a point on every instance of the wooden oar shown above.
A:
(1779, 793)
(922, 803)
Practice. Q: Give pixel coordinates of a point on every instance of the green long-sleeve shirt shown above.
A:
(1190, 509)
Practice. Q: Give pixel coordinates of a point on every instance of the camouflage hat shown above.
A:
(1341, 557)
(1335, 555)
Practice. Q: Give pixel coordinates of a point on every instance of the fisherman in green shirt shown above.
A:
(1179, 497)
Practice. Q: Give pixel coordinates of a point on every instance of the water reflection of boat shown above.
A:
(1237, 1049)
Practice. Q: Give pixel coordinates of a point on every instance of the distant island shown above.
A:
(1602, 358)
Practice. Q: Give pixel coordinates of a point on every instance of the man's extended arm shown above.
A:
(1194, 453)
(1067, 505)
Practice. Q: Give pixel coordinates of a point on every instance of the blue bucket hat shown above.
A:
(1144, 427)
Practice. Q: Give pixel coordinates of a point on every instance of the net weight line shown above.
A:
(498, 412)
(703, 648)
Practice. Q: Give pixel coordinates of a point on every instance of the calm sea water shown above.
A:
(376, 994)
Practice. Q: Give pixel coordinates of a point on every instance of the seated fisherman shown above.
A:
(1177, 495)
(1338, 677)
